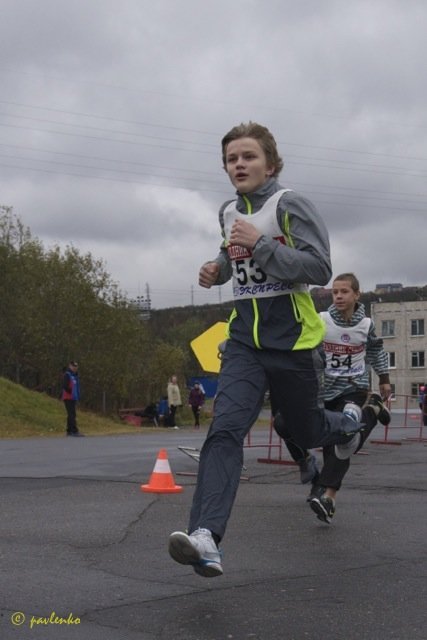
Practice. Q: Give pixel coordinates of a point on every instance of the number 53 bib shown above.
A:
(249, 280)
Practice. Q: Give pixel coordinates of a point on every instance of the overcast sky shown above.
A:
(111, 116)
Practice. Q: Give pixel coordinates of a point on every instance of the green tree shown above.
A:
(56, 306)
(59, 305)
(162, 361)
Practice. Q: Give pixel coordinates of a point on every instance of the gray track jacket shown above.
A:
(287, 322)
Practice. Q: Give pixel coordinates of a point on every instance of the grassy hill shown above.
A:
(25, 413)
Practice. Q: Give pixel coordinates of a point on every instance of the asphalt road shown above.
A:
(84, 551)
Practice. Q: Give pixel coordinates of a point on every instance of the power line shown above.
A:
(118, 171)
(105, 178)
(99, 138)
(184, 130)
(104, 159)
(201, 189)
(191, 98)
(110, 131)
(109, 118)
(380, 169)
(195, 171)
(316, 195)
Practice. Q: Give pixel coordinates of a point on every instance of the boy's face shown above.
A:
(344, 297)
(246, 164)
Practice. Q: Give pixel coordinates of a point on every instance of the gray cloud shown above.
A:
(111, 118)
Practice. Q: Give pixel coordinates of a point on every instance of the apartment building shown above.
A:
(402, 325)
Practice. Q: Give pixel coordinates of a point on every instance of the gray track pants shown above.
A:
(295, 380)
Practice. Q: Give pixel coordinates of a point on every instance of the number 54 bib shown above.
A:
(345, 347)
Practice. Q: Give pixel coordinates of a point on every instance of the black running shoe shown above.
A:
(323, 507)
(377, 405)
(316, 491)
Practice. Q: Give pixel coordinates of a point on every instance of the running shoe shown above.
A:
(317, 490)
(323, 507)
(345, 450)
(198, 550)
(376, 403)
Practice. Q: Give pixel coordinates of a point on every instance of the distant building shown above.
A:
(402, 325)
(388, 287)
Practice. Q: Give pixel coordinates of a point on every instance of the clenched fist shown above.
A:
(208, 274)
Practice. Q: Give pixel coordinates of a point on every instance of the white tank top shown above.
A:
(345, 347)
(249, 280)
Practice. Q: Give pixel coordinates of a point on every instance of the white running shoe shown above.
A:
(344, 451)
(353, 411)
(199, 550)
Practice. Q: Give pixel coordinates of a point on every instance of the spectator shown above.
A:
(196, 400)
(150, 412)
(423, 403)
(71, 395)
(164, 411)
(174, 400)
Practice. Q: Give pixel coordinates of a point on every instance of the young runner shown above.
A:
(274, 245)
(350, 346)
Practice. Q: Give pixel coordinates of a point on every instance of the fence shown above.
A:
(274, 442)
(413, 419)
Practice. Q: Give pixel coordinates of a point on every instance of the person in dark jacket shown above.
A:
(423, 403)
(196, 400)
(71, 395)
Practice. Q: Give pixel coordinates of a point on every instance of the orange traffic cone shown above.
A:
(161, 480)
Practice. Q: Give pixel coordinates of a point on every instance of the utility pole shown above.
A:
(143, 305)
(147, 295)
